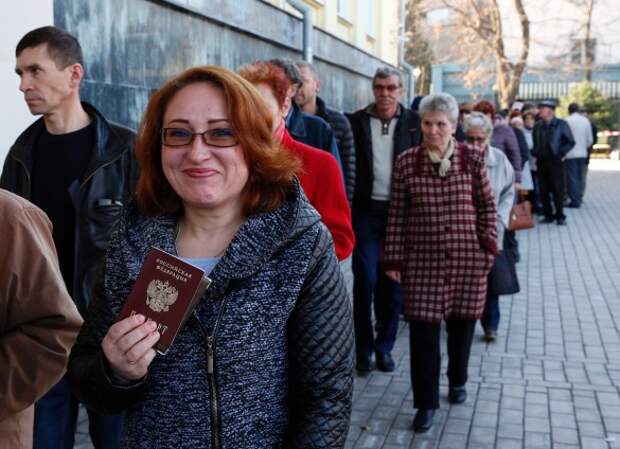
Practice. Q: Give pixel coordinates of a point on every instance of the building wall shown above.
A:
(371, 25)
(132, 46)
(16, 117)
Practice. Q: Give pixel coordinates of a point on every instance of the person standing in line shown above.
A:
(381, 131)
(305, 128)
(584, 111)
(553, 139)
(478, 129)
(440, 244)
(38, 320)
(79, 168)
(310, 103)
(577, 157)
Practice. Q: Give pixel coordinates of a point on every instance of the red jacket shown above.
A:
(322, 181)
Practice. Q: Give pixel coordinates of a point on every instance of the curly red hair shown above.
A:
(486, 107)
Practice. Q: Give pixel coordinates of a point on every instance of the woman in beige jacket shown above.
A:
(38, 320)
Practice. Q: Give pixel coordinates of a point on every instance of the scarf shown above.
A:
(444, 163)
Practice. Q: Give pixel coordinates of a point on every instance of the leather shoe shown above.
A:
(423, 420)
(490, 335)
(573, 205)
(457, 395)
(385, 362)
(561, 221)
(547, 220)
(364, 366)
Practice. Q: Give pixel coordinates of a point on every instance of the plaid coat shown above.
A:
(441, 235)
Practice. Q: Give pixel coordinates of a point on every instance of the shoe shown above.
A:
(364, 366)
(573, 205)
(423, 420)
(561, 221)
(490, 335)
(547, 220)
(457, 395)
(385, 362)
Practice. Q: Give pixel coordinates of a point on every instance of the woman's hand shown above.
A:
(393, 275)
(128, 346)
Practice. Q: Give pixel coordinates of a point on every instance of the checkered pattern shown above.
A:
(441, 235)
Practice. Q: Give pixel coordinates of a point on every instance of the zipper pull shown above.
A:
(210, 355)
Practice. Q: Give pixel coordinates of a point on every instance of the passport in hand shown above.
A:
(166, 291)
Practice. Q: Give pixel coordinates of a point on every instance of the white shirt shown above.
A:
(582, 133)
(382, 136)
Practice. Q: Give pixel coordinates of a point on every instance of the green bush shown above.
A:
(600, 108)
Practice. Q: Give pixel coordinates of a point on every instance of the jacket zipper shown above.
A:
(83, 183)
(215, 406)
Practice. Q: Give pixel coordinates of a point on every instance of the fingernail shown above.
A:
(141, 318)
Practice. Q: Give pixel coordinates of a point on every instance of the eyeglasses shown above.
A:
(216, 137)
(389, 88)
(476, 139)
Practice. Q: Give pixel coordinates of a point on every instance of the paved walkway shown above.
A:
(551, 379)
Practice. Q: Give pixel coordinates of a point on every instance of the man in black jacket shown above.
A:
(552, 140)
(78, 168)
(308, 100)
(381, 132)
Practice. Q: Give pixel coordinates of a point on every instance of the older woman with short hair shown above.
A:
(478, 130)
(440, 244)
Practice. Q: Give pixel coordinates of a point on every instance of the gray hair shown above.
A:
(386, 72)
(306, 65)
(477, 120)
(440, 102)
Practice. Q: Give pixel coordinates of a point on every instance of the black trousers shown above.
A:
(551, 179)
(424, 346)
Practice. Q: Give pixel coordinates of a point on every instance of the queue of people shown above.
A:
(279, 199)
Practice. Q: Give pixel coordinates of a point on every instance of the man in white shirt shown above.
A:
(577, 157)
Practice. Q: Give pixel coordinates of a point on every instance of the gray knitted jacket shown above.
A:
(280, 327)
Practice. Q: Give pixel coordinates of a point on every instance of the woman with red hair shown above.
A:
(503, 138)
(320, 175)
(265, 358)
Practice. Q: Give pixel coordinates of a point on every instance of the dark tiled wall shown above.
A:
(132, 46)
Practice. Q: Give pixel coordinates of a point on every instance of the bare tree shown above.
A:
(586, 48)
(418, 51)
(481, 27)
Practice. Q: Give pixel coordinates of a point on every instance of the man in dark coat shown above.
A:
(553, 139)
(306, 128)
(78, 168)
(381, 131)
(310, 103)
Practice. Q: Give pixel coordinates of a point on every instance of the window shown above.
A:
(370, 18)
(344, 10)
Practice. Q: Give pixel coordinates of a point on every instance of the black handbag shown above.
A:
(503, 278)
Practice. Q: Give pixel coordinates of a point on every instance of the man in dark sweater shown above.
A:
(553, 139)
(78, 168)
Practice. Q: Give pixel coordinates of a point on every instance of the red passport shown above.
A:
(166, 291)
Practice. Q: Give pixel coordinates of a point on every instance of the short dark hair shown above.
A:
(62, 46)
(572, 108)
(290, 69)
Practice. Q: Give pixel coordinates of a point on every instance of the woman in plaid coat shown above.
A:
(440, 244)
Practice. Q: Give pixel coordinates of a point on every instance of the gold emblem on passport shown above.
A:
(160, 295)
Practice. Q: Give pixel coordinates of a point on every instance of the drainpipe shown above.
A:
(401, 55)
(305, 11)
